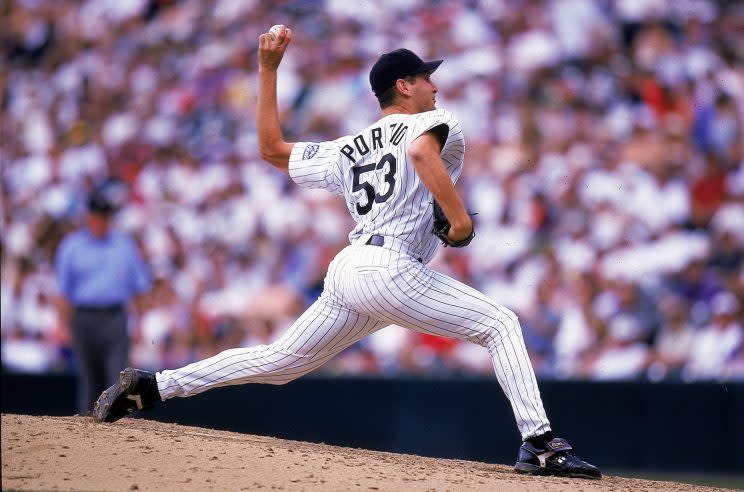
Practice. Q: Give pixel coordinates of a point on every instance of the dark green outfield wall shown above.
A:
(639, 426)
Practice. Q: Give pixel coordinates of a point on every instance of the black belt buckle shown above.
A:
(375, 240)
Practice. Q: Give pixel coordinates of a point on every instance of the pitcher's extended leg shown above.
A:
(321, 332)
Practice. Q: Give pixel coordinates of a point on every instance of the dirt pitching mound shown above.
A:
(75, 453)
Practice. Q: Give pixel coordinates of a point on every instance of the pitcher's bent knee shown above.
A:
(506, 322)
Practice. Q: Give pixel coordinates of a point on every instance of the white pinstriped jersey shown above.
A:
(368, 286)
(374, 174)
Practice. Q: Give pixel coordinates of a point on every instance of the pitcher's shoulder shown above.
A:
(438, 116)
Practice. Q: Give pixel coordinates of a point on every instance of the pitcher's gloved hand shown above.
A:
(442, 227)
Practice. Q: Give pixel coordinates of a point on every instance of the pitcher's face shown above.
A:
(423, 93)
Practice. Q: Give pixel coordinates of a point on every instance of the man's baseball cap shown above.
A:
(99, 204)
(396, 65)
(108, 197)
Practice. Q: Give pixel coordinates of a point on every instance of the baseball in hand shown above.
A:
(275, 30)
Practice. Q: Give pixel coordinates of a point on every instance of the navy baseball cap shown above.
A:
(396, 65)
(99, 204)
(108, 197)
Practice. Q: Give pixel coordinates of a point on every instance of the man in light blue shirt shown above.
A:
(99, 272)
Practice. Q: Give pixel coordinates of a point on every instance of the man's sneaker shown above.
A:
(556, 458)
(136, 390)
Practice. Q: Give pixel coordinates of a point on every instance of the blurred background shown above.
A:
(604, 159)
(605, 142)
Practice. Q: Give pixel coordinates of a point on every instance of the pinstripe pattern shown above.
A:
(369, 287)
(408, 213)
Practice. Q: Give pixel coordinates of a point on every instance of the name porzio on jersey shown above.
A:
(362, 147)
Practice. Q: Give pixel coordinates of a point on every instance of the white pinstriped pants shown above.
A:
(368, 288)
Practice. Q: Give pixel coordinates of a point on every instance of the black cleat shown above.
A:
(556, 458)
(136, 390)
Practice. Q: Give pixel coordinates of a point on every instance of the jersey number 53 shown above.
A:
(372, 195)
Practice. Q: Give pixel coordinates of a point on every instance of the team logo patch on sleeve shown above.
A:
(310, 151)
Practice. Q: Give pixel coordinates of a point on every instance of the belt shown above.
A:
(377, 240)
(105, 308)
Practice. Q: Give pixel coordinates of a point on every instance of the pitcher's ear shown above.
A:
(402, 85)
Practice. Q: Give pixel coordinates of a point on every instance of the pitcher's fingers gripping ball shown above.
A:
(272, 45)
(280, 35)
(276, 30)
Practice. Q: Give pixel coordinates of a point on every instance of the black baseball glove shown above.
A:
(442, 227)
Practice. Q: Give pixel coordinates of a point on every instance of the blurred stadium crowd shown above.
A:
(604, 158)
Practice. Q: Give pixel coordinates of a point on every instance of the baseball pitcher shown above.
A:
(397, 177)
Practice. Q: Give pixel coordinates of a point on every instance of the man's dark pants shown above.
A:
(101, 343)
